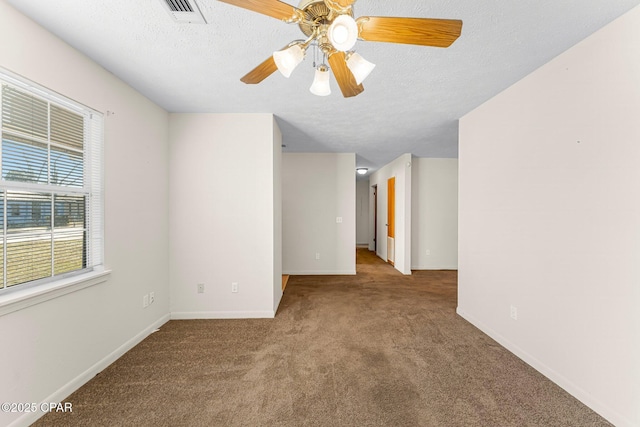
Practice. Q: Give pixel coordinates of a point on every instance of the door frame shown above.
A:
(391, 218)
(375, 218)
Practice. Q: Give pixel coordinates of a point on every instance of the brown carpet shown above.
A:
(376, 349)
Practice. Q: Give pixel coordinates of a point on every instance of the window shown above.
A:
(50, 185)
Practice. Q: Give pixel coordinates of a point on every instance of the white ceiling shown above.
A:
(412, 100)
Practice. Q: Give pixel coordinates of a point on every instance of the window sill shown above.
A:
(22, 299)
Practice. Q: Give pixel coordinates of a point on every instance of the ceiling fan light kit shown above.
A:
(288, 59)
(343, 33)
(321, 86)
(331, 27)
(360, 67)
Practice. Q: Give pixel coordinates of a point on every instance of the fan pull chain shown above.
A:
(315, 54)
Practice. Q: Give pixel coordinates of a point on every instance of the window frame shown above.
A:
(25, 294)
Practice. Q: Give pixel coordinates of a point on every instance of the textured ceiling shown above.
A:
(412, 100)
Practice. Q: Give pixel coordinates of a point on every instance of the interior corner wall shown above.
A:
(277, 215)
(362, 212)
(50, 349)
(434, 241)
(223, 221)
(317, 189)
(550, 220)
(400, 168)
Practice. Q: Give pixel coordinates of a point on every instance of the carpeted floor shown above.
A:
(376, 349)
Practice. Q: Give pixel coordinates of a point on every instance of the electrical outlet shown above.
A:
(317, 255)
(234, 287)
(152, 297)
(201, 288)
(428, 252)
(145, 301)
(514, 313)
(339, 220)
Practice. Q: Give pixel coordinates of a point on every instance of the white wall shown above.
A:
(223, 217)
(362, 212)
(52, 348)
(316, 190)
(434, 219)
(400, 168)
(550, 220)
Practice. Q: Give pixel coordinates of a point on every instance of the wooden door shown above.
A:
(391, 219)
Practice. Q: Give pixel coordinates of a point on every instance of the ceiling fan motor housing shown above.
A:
(317, 14)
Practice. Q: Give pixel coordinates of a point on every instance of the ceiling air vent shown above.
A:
(185, 11)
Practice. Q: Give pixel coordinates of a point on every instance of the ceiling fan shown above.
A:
(329, 25)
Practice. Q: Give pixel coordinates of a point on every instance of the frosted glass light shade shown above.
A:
(362, 171)
(343, 33)
(360, 67)
(288, 59)
(320, 84)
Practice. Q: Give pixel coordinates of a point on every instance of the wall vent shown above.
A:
(184, 11)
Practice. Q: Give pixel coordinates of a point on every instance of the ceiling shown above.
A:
(412, 99)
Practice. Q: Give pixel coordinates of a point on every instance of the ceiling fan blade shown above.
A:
(274, 8)
(420, 31)
(261, 72)
(345, 78)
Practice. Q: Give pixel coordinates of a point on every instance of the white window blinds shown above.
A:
(50, 186)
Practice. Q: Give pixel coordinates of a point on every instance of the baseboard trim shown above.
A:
(192, 315)
(320, 273)
(430, 267)
(73, 385)
(582, 395)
